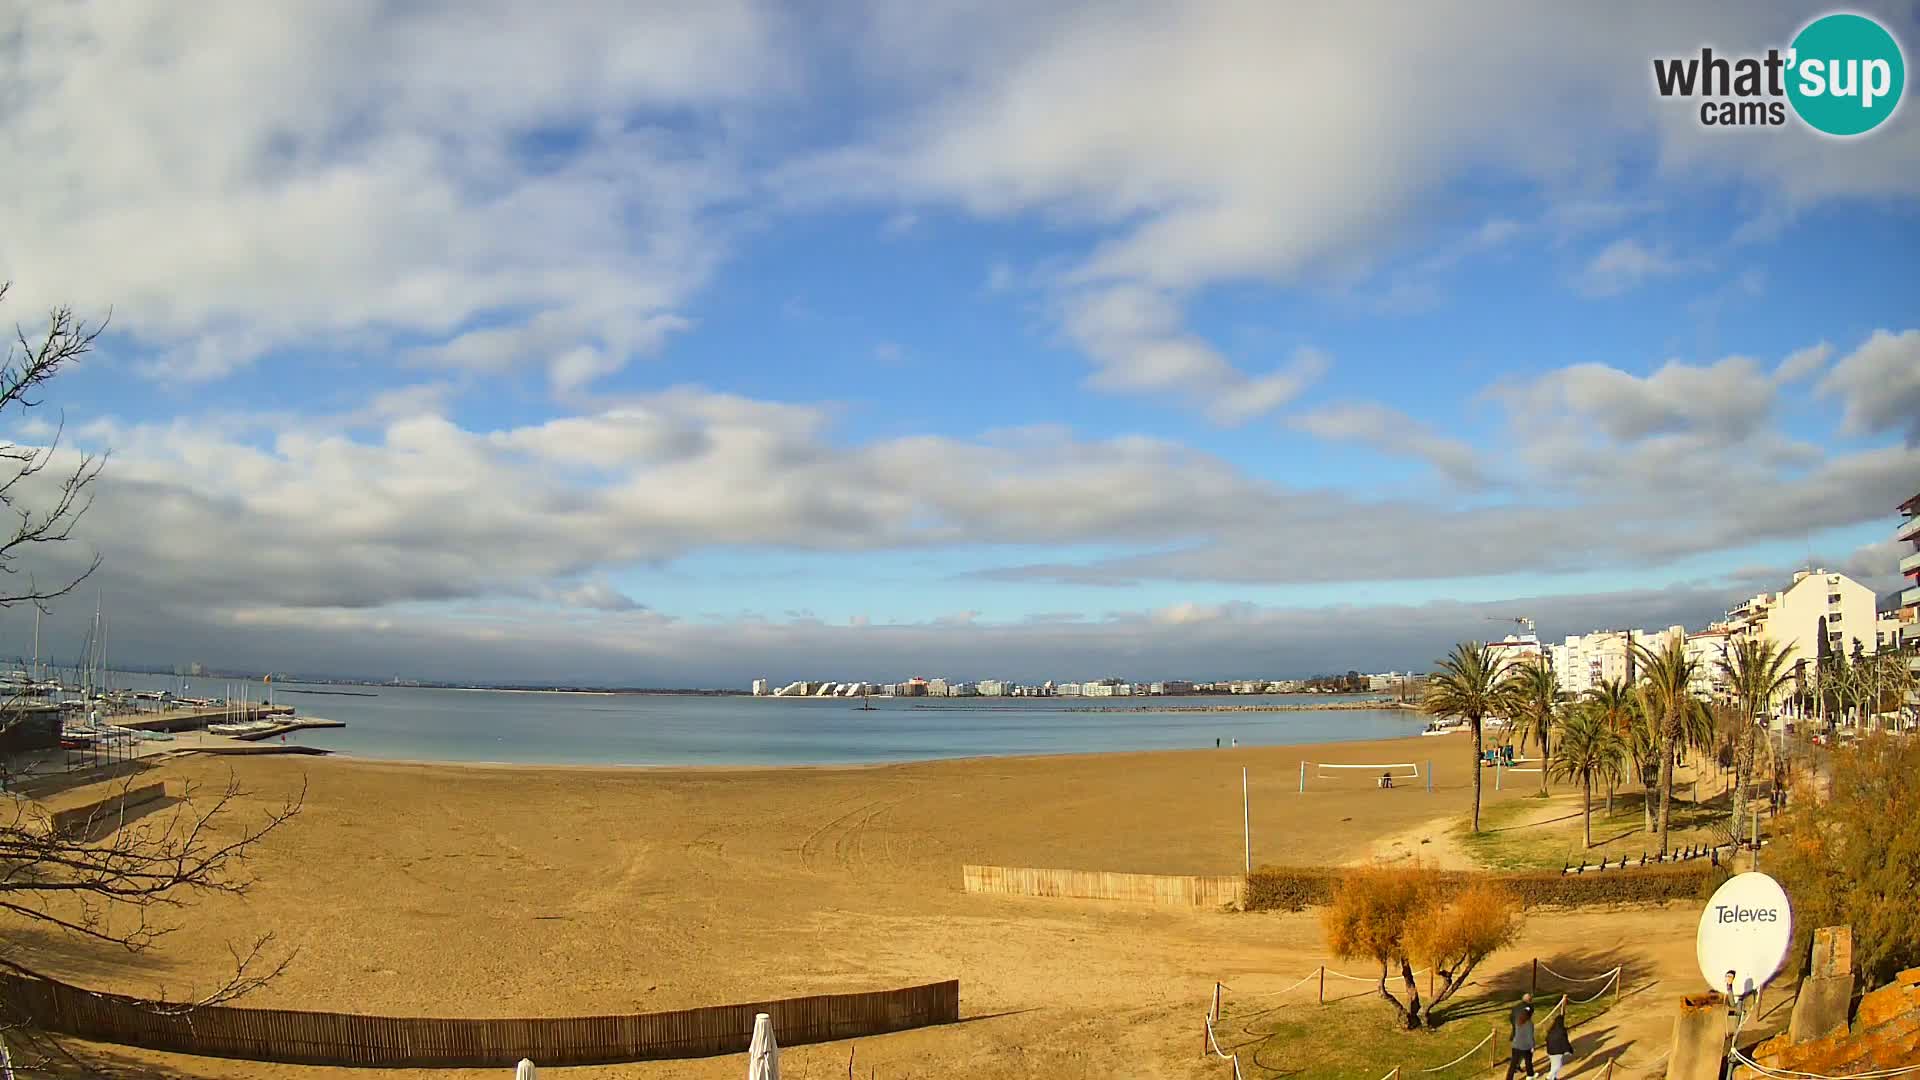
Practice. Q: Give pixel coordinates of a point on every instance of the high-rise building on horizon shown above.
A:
(759, 688)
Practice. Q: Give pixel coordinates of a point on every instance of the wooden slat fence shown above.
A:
(1169, 889)
(317, 1038)
(79, 819)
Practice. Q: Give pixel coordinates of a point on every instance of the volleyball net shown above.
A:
(1327, 775)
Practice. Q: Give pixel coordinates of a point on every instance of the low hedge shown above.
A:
(1293, 888)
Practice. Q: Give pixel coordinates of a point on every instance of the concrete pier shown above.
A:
(197, 718)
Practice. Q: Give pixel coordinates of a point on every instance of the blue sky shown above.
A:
(694, 343)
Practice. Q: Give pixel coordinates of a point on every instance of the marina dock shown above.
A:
(195, 719)
(252, 723)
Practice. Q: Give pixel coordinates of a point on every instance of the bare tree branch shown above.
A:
(42, 511)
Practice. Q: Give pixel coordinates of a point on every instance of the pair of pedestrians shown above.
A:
(1559, 1046)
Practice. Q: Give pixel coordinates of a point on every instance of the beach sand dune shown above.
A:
(415, 889)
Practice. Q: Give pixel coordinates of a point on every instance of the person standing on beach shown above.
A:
(1522, 1057)
(1559, 1046)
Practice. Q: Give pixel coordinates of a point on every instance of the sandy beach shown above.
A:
(420, 889)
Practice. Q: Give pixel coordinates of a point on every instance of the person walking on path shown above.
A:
(1559, 1047)
(1522, 1057)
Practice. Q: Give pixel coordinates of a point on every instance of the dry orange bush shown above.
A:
(1409, 914)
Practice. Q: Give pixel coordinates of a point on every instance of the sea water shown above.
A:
(674, 729)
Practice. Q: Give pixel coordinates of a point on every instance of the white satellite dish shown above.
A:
(1746, 929)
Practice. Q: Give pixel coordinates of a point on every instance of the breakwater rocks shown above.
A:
(1318, 706)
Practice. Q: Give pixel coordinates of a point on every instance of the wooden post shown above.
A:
(1323, 984)
(1303, 777)
(1246, 822)
(1215, 1013)
(1533, 986)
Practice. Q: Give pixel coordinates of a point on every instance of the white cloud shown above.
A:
(1394, 432)
(392, 182)
(1626, 264)
(1725, 402)
(1133, 336)
(1803, 364)
(1880, 385)
(889, 352)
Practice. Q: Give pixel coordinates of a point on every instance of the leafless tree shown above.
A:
(113, 878)
(29, 363)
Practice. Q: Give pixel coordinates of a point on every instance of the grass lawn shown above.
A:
(1513, 835)
(1360, 1037)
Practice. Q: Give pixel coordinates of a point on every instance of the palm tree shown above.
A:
(1533, 692)
(1468, 686)
(1758, 671)
(1588, 747)
(1643, 743)
(1667, 696)
(1615, 703)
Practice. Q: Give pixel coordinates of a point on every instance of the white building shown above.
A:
(1585, 661)
(1817, 602)
(759, 688)
(1908, 613)
(1708, 649)
(994, 687)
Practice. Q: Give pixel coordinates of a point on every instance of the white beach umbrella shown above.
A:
(763, 1055)
(525, 1071)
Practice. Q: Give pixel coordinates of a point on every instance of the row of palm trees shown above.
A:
(1648, 723)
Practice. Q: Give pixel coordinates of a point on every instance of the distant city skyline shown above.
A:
(1010, 340)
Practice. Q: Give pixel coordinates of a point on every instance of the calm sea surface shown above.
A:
(631, 729)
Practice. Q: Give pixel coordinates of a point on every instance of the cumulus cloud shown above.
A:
(1134, 337)
(391, 184)
(1394, 432)
(1725, 401)
(1879, 383)
(1803, 364)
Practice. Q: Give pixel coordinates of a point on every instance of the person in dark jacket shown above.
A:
(1522, 1058)
(1559, 1047)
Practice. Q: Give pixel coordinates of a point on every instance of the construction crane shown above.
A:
(1525, 623)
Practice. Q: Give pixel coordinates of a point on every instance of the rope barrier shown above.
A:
(1575, 978)
(1276, 993)
(1462, 1057)
(1598, 994)
(1368, 978)
(1608, 980)
(1214, 1045)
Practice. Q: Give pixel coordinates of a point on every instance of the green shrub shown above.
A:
(1294, 888)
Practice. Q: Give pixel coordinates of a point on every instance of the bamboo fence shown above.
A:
(1167, 889)
(341, 1039)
